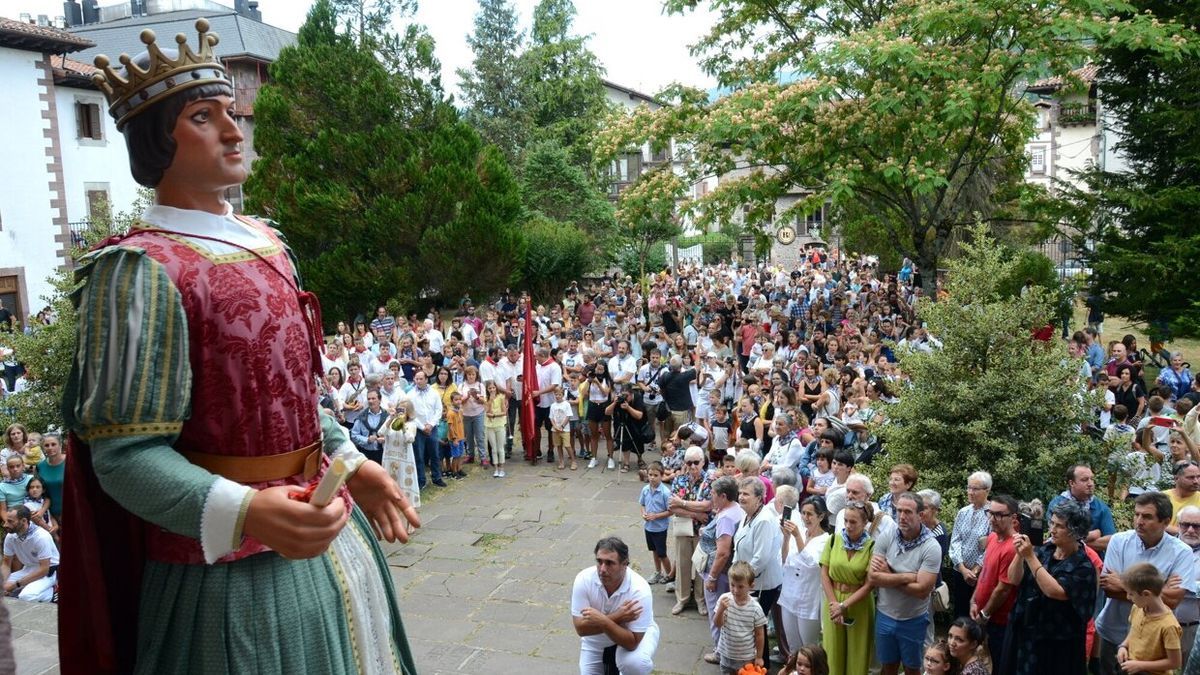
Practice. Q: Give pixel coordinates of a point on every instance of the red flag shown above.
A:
(529, 384)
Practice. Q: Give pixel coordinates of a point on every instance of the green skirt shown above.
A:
(265, 614)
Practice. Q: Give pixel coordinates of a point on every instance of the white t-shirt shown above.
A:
(560, 414)
(801, 593)
(621, 368)
(589, 592)
(547, 375)
(38, 545)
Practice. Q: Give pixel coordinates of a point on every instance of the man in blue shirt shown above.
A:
(1148, 542)
(1081, 486)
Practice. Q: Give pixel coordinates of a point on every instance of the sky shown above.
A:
(638, 45)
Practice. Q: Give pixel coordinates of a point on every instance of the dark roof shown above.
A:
(31, 37)
(632, 93)
(1050, 85)
(240, 36)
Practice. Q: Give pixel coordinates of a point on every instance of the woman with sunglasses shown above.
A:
(848, 617)
(690, 505)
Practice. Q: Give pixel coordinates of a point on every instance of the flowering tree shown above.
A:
(906, 113)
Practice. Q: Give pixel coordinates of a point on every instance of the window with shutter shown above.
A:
(87, 121)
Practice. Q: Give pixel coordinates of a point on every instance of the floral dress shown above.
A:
(693, 491)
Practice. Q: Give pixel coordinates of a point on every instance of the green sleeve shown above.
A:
(130, 386)
(333, 435)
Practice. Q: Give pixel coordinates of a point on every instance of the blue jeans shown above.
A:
(425, 449)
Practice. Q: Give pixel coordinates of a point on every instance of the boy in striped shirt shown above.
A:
(741, 620)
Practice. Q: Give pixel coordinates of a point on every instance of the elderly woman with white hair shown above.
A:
(690, 505)
(1178, 377)
(967, 539)
(748, 464)
(758, 541)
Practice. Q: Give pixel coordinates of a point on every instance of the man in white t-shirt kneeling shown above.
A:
(613, 613)
(34, 548)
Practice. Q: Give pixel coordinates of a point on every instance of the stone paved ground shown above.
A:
(485, 584)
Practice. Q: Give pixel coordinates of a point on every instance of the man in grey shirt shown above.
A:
(904, 568)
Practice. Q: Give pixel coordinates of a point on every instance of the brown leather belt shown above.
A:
(306, 460)
(846, 588)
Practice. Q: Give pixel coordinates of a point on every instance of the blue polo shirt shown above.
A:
(1171, 556)
(655, 501)
(1102, 518)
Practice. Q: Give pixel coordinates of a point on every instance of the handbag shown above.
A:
(941, 598)
(682, 526)
(662, 412)
(699, 560)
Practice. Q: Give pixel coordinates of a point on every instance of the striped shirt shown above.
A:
(737, 632)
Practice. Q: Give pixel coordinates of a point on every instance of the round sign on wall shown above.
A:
(786, 234)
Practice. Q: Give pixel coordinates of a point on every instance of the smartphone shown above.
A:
(847, 621)
(787, 514)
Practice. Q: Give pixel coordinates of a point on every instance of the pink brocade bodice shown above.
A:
(251, 354)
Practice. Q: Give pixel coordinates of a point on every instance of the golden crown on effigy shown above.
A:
(133, 90)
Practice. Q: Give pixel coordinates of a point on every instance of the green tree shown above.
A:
(991, 398)
(491, 88)
(1142, 219)
(556, 254)
(561, 84)
(551, 185)
(48, 351)
(905, 113)
(373, 199)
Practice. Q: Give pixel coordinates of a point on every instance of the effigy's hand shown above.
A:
(292, 528)
(384, 503)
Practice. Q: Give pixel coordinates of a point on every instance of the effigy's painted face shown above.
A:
(208, 145)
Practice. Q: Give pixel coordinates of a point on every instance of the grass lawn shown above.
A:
(1116, 327)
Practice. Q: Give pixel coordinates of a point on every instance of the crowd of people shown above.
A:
(746, 400)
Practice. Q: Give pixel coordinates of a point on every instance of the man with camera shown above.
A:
(629, 417)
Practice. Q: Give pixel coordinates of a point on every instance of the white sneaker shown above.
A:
(502, 474)
(592, 464)
(496, 473)
(611, 466)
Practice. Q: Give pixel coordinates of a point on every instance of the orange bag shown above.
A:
(751, 669)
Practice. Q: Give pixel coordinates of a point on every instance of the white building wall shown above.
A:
(88, 163)
(26, 228)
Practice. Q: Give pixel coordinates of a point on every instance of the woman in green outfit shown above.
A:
(847, 620)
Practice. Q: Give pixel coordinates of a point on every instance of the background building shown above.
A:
(247, 48)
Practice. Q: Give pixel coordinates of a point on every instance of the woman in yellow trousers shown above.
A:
(848, 618)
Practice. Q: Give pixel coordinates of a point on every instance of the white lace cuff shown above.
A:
(223, 517)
